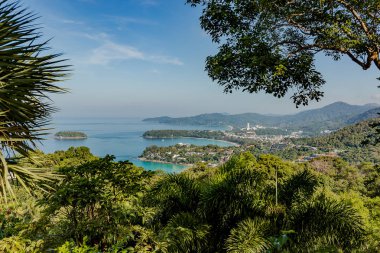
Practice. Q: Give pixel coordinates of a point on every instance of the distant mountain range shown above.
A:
(330, 117)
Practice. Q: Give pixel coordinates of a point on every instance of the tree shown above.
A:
(27, 75)
(271, 45)
(234, 210)
(97, 200)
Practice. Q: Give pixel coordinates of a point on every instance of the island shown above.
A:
(70, 135)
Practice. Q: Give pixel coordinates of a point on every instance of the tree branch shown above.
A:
(357, 17)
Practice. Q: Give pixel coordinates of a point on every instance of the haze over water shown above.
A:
(121, 137)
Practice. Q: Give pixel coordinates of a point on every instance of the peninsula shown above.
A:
(70, 135)
(351, 143)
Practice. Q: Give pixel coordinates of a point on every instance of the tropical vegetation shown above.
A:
(248, 204)
(28, 74)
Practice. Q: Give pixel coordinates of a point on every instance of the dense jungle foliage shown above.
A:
(249, 204)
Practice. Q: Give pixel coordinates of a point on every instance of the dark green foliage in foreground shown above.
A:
(95, 200)
(234, 210)
(102, 205)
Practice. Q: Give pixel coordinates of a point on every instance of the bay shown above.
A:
(121, 137)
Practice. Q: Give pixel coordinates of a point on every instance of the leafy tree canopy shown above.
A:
(270, 46)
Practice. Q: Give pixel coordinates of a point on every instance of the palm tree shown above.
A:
(249, 236)
(27, 75)
(235, 211)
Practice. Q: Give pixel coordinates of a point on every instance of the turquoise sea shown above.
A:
(121, 137)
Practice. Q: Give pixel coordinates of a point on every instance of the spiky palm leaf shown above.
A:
(249, 236)
(323, 222)
(233, 195)
(185, 232)
(27, 76)
(300, 185)
(229, 198)
(173, 194)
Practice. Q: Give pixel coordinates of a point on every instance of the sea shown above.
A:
(121, 137)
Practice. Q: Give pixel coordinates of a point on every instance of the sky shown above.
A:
(146, 58)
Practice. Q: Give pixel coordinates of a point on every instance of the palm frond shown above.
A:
(321, 222)
(249, 236)
(185, 232)
(27, 75)
(302, 184)
(173, 194)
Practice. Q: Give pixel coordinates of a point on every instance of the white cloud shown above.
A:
(126, 20)
(101, 37)
(110, 51)
(71, 22)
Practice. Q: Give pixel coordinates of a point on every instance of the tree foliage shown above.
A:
(96, 200)
(325, 205)
(271, 45)
(28, 73)
(235, 210)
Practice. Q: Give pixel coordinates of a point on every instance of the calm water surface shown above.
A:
(121, 137)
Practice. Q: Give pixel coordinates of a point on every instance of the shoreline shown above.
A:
(199, 138)
(158, 161)
(69, 138)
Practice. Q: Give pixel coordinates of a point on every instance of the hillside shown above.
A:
(354, 143)
(331, 117)
(370, 114)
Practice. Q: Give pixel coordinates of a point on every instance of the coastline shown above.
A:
(158, 161)
(69, 138)
(180, 137)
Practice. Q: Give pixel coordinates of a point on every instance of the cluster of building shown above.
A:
(311, 157)
(249, 133)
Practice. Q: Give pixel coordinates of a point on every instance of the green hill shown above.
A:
(312, 122)
(354, 143)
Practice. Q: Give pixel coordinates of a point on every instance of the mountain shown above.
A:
(370, 114)
(332, 117)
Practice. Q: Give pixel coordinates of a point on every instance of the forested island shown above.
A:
(70, 135)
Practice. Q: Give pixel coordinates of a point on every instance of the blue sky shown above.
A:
(146, 58)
